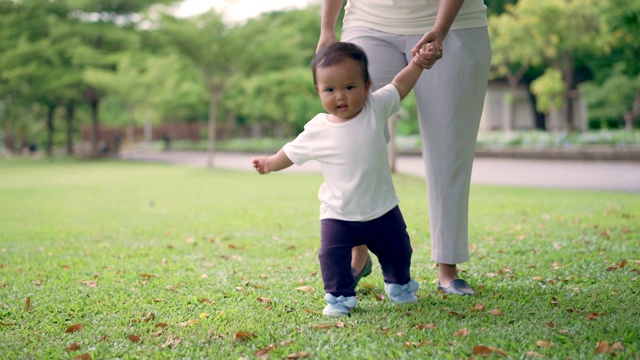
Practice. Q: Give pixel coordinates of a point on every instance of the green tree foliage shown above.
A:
(561, 31)
(34, 55)
(282, 100)
(214, 49)
(106, 28)
(615, 91)
(513, 53)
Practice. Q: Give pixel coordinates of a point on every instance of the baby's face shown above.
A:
(342, 89)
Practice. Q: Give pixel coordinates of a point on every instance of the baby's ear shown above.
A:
(367, 85)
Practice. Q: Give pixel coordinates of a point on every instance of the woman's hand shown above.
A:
(434, 39)
(325, 40)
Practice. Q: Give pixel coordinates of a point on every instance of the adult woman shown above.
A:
(450, 98)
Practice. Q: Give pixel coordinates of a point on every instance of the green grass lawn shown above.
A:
(130, 260)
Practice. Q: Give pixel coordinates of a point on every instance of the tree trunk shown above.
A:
(70, 117)
(130, 137)
(51, 111)
(635, 111)
(568, 99)
(513, 80)
(216, 94)
(8, 141)
(94, 101)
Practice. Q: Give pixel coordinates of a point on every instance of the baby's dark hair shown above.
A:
(336, 53)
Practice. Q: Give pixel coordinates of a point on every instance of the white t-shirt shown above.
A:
(353, 157)
(409, 17)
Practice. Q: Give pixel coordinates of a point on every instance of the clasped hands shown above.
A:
(425, 56)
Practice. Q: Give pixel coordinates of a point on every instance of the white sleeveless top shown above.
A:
(409, 17)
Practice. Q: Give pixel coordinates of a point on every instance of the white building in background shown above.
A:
(496, 108)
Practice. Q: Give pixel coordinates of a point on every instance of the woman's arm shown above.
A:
(330, 11)
(447, 12)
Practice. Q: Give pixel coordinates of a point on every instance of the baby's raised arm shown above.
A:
(406, 79)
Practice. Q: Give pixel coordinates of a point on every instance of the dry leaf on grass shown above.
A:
(603, 347)
(495, 312)
(594, 315)
(84, 356)
(243, 336)
(544, 343)
(461, 333)
(322, 326)
(189, 322)
(478, 307)
(488, 350)
(72, 347)
(425, 326)
(134, 338)
(74, 328)
(307, 289)
(147, 276)
(90, 283)
(171, 342)
(28, 303)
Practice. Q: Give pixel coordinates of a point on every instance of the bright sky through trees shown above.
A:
(238, 10)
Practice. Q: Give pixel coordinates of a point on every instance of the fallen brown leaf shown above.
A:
(28, 303)
(134, 338)
(243, 336)
(618, 346)
(603, 348)
(264, 299)
(322, 326)
(425, 326)
(478, 307)
(544, 343)
(72, 347)
(488, 350)
(495, 312)
(74, 328)
(147, 276)
(262, 354)
(189, 322)
(307, 289)
(90, 283)
(594, 315)
(84, 356)
(171, 342)
(461, 333)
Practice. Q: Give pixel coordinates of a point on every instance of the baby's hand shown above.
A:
(427, 56)
(261, 164)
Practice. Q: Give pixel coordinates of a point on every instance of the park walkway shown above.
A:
(622, 176)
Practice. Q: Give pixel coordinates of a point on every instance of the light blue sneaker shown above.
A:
(402, 294)
(338, 306)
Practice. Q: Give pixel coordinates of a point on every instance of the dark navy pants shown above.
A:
(385, 236)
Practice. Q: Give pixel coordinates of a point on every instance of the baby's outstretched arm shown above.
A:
(267, 164)
(406, 79)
